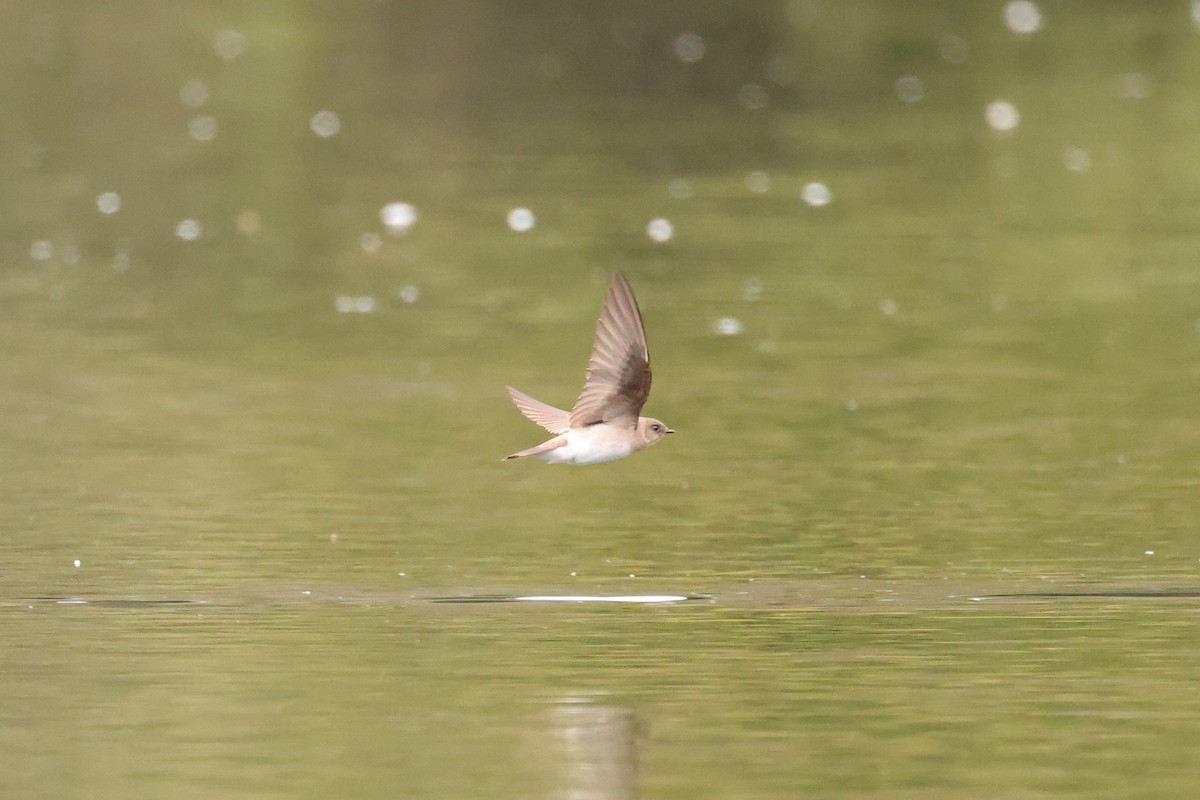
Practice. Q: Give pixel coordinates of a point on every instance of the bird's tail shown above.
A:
(544, 447)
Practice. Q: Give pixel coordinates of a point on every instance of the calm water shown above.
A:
(933, 360)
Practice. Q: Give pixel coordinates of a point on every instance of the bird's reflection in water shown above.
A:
(598, 746)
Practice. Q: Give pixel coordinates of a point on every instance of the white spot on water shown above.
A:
(108, 203)
(1002, 115)
(816, 194)
(203, 127)
(758, 182)
(521, 220)
(953, 48)
(1023, 17)
(752, 96)
(325, 124)
(689, 47)
(78, 563)
(1077, 160)
(188, 230)
(728, 326)
(752, 290)
(583, 598)
(888, 306)
(370, 242)
(194, 94)
(230, 44)
(349, 304)
(43, 250)
(409, 294)
(910, 89)
(122, 257)
(660, 230)
(398, 217)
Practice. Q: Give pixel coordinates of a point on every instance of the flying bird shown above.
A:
(605, 424)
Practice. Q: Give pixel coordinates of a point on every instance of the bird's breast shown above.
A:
(594, 444)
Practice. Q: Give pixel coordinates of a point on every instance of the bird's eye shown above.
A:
(656, 428)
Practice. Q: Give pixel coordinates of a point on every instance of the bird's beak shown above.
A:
(669, 430)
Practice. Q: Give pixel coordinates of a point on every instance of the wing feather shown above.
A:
(617, 382)
(552, 419)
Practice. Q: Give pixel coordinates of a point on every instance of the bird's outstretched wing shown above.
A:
(618, 372)
(552, 419)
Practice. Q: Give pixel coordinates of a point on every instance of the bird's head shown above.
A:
(652, 429)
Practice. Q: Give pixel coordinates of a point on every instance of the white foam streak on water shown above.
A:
(583, 598)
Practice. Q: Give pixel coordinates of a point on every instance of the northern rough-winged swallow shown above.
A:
(604, 424)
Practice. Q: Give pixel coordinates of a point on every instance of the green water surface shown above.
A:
(933, 492)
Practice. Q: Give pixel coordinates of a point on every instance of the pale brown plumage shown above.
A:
(618, 373)
(605, 424)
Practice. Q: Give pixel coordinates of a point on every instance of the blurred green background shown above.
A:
(921, 283)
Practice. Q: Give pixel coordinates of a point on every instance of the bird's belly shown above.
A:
(594, 444)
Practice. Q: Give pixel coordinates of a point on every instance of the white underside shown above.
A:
(594, 444)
